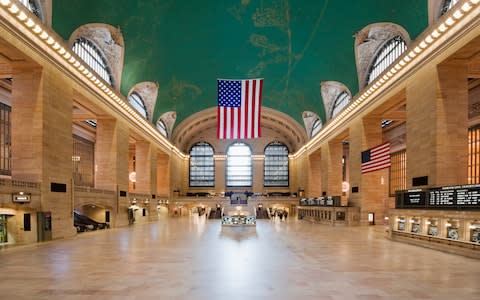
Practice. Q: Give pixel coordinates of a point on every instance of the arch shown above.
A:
(311, 119)
(368, 43)
(341, 101)
(201, 126)
(437, 8)
(202, 165)
(35, 7)
(148, 91)
(93, 57)
(239, 165)
(276, 165)
(162, 127)
(386, 55)
(168, 119)
(331, 92)
(137, 102)
(109, 41)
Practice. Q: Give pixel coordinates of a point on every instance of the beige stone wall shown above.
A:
(315, 174)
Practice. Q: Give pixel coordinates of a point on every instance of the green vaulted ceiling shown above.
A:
(186, 45)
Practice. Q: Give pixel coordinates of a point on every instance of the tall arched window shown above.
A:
(317, 125)
(275, 170)
(447, 5)
(202, 165)
(239, 165)
(162, 128)
(386, 55)
(340, 102)
(137, 102)
(34, 7)
(90, 54)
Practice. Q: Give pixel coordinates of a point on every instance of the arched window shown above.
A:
(90, 54)
(239, 165)
(162, 128)
(275, 170)
(202, 165)
(34, 7)
(447, 5)
(317, 125)
(340, 102)
(137, 102)
(386, 55)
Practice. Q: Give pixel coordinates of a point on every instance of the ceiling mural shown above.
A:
(185, 46)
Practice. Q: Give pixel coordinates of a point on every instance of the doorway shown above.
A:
(3, 229)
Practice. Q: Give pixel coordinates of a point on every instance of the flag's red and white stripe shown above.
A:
(379, 158)
(242, 122)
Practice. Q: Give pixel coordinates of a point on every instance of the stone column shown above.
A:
(111, 166)
(163, 175)
(365, 134)
(42, 141)
(146, 164)
(315, 174)
(257, 175)
(437, 125)
(220, 175)
(335, 155)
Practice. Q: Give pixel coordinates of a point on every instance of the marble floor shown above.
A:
(194, 258)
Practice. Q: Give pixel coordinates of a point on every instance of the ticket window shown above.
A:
(415, 225)
(432, 227)
(401, 224)
(452, 229)
(475, 232)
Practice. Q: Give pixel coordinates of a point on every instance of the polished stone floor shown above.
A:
(194, 258)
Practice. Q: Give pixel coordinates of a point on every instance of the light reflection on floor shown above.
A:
(195, 258)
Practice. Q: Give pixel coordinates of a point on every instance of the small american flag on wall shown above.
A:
(239, 107)
(376, 158)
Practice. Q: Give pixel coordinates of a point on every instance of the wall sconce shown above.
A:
(448, 225)
(428, 222)
(132, 176)
(134, 201)
(146, 201)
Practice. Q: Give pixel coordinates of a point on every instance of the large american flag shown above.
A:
(376, 158)
(239, 107)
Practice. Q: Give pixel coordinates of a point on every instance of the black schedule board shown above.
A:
(447, 197)
(468, 196)
(442, 197)
(412, 198)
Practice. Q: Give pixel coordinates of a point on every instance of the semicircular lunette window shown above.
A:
(90, 54)
(447, 5)
(162, 128)
(387, 54)
(340, 102)
(34, 7)
(137, 102)
(239, 165)
(202, 165)
(275, 170)
(317, 125)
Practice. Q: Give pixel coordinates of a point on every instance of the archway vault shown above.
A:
(275, 125)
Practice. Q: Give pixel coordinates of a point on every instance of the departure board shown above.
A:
(442, 197)
(448, 197)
